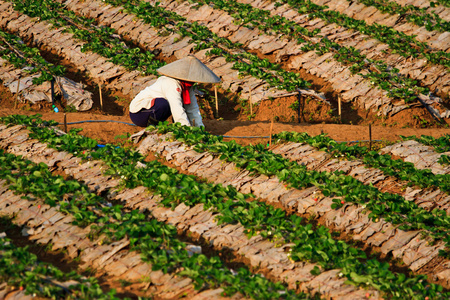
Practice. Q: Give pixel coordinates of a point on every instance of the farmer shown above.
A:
(172, 94)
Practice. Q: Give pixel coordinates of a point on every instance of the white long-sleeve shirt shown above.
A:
(169, 89)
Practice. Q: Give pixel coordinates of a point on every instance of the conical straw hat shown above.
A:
(191, 69)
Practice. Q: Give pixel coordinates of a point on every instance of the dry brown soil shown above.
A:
(232, 124)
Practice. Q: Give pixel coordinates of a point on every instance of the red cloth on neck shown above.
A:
(185, 91)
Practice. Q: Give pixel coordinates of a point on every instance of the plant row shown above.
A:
(257, 159)
(18, 54)
(246, 63)
(385, 77)
(446, 3)
(22, 270)
(399, 42)
(392, 167)
(311, 243)
(157, 242)
(413, 14)
(440, 145)
(100, 41)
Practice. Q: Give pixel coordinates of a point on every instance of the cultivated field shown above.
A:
(175, 212)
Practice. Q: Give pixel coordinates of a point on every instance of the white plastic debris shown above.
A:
(193, 249)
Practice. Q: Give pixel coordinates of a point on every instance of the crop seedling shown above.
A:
(252, 215)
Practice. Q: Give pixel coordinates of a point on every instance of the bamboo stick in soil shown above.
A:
(270, 132)
(339, 106)
(250, 101)
(17, 93)
(101, 97)
(217, 101)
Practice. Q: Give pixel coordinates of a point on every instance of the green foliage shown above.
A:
(314, 244)
(98, 39)
(30, 57)
(204, 38)
(400, 43)
(446, 3)
(157, 241)
(21, 269)
(390, 167)
(441, 144)
(413, 14)
(385, 77)
(394, 208)
(257, 159)
(247, 15)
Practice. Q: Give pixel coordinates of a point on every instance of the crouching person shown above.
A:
(172, 94)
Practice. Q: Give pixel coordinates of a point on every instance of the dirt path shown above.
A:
(105, 132)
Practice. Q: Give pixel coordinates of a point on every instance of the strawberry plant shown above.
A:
(376, 71)
(312, 243)
(258, 159)
(411, 13)
(399, 42)
(21, 56)
(156, 241)
(98, 39)
(21, 269)
(245, 14)
(204, 38)
(441, 144)
(391, 167)
(446, 3)
(379, 73)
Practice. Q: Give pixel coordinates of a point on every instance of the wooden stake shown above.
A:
(250, 101)
(217, 101)
(339, 105)
(270, 133)
(370, 137)
(65, 123)
(52, 85)
(101, 98)
(17, 93)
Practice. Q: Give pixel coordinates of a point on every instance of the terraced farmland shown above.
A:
(379, 63)
(177, 212)
(257, 206)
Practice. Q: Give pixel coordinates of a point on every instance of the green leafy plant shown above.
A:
(399, 42)
(314, 244)
(21, 269)
(157, 241)
(411, 13)
(391, 167)
(22, 56)
(441, 144)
